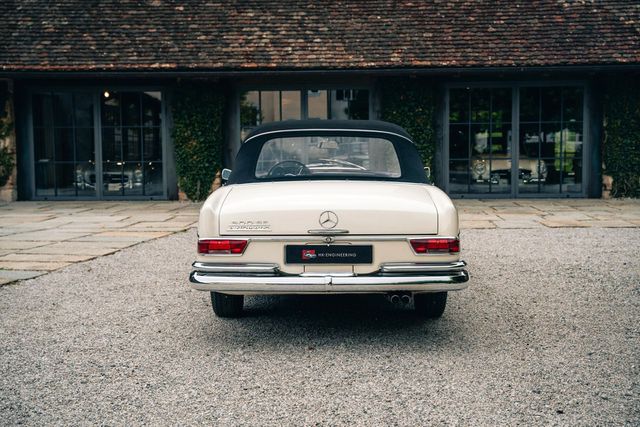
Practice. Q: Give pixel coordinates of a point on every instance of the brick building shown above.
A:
(517, 86)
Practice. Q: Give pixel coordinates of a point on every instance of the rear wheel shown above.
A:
(227, 305)
(430, 305)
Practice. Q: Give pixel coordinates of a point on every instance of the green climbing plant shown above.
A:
(411, 103)
(621, 147)
(197, 132)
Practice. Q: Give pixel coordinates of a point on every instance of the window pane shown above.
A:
(479, 139)
(459, 105)
(340, 104)
(62, 111)
(551, 104)
(459, 176)
(45, 179)
(131, 149)
(480, 174)
(551, 137)
(43, 144)
(572, 140)
(501, 138)
(85, 147)
(133, 179)
(500, 173)
(501, 105)
(270, 106)
(250, 109)
(112, 178)
(65, 179)
(480, 100)
(331, 155)
(572, 104)
(42, 110)
(317, 104)
(111, 144)
(84, 110)
(153, 179)
(530, 104)
(572, 176)
(459, 141)
(131, 109)
(152, 144)
(359, 105)
(291, 105)
(86, 179)
(151, 107)
(110, 108)
(64, 144)
(530, 139)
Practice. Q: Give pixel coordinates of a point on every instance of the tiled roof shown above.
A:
(82, 35)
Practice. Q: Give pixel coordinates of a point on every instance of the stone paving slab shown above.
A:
(36, 237)
(9, 276)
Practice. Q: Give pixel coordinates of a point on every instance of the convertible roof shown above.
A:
(363, 125)
(408, 156)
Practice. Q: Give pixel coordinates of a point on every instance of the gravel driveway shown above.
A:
(548, 333)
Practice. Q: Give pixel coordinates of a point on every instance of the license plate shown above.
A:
(328, 254)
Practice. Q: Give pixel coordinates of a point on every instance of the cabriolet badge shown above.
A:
(249, 226)
(328, 219)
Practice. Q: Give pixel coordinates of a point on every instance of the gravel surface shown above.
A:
(548, 333)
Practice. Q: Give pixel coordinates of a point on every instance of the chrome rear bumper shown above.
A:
(267, 279)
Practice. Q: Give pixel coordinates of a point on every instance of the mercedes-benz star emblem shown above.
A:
(328, 219)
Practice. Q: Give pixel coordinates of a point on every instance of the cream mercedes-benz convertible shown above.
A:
(323, 207)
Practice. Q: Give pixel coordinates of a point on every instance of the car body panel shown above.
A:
(384, 214)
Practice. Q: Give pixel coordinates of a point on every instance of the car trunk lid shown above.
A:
(316, 207)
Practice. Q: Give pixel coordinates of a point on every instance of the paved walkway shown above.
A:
(552, 213)
(37, 237)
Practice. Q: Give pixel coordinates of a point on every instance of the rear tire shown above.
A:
(227, 305)
(430, 305)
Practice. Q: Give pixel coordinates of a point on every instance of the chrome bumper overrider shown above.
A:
(267, 279)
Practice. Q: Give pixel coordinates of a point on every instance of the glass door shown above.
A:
(480, 137)
(131, 144)
(551, 138)
(64, 145)
(481, 149)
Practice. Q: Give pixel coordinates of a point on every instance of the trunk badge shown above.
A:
(328, 219)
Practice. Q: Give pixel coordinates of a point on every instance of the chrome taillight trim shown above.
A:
(410, 267)
(253, 268)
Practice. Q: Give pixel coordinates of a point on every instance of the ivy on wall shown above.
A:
(621, 147)
(411, 103)
(197, 111)
(6, 127)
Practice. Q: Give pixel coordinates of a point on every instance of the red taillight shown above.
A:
(435, 246)
(221, 247)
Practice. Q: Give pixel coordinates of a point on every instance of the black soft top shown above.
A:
(410, 164)
(289, 125)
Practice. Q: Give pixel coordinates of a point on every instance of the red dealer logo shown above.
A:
(309, 254)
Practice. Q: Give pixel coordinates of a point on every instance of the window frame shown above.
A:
(96, 92)
(236, 133)
(516, 86)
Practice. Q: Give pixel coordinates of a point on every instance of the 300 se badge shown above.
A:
(329, 254)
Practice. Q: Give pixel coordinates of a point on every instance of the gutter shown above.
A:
(31, 74)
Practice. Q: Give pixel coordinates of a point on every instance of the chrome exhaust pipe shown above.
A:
(406, 299)
(395, 299)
